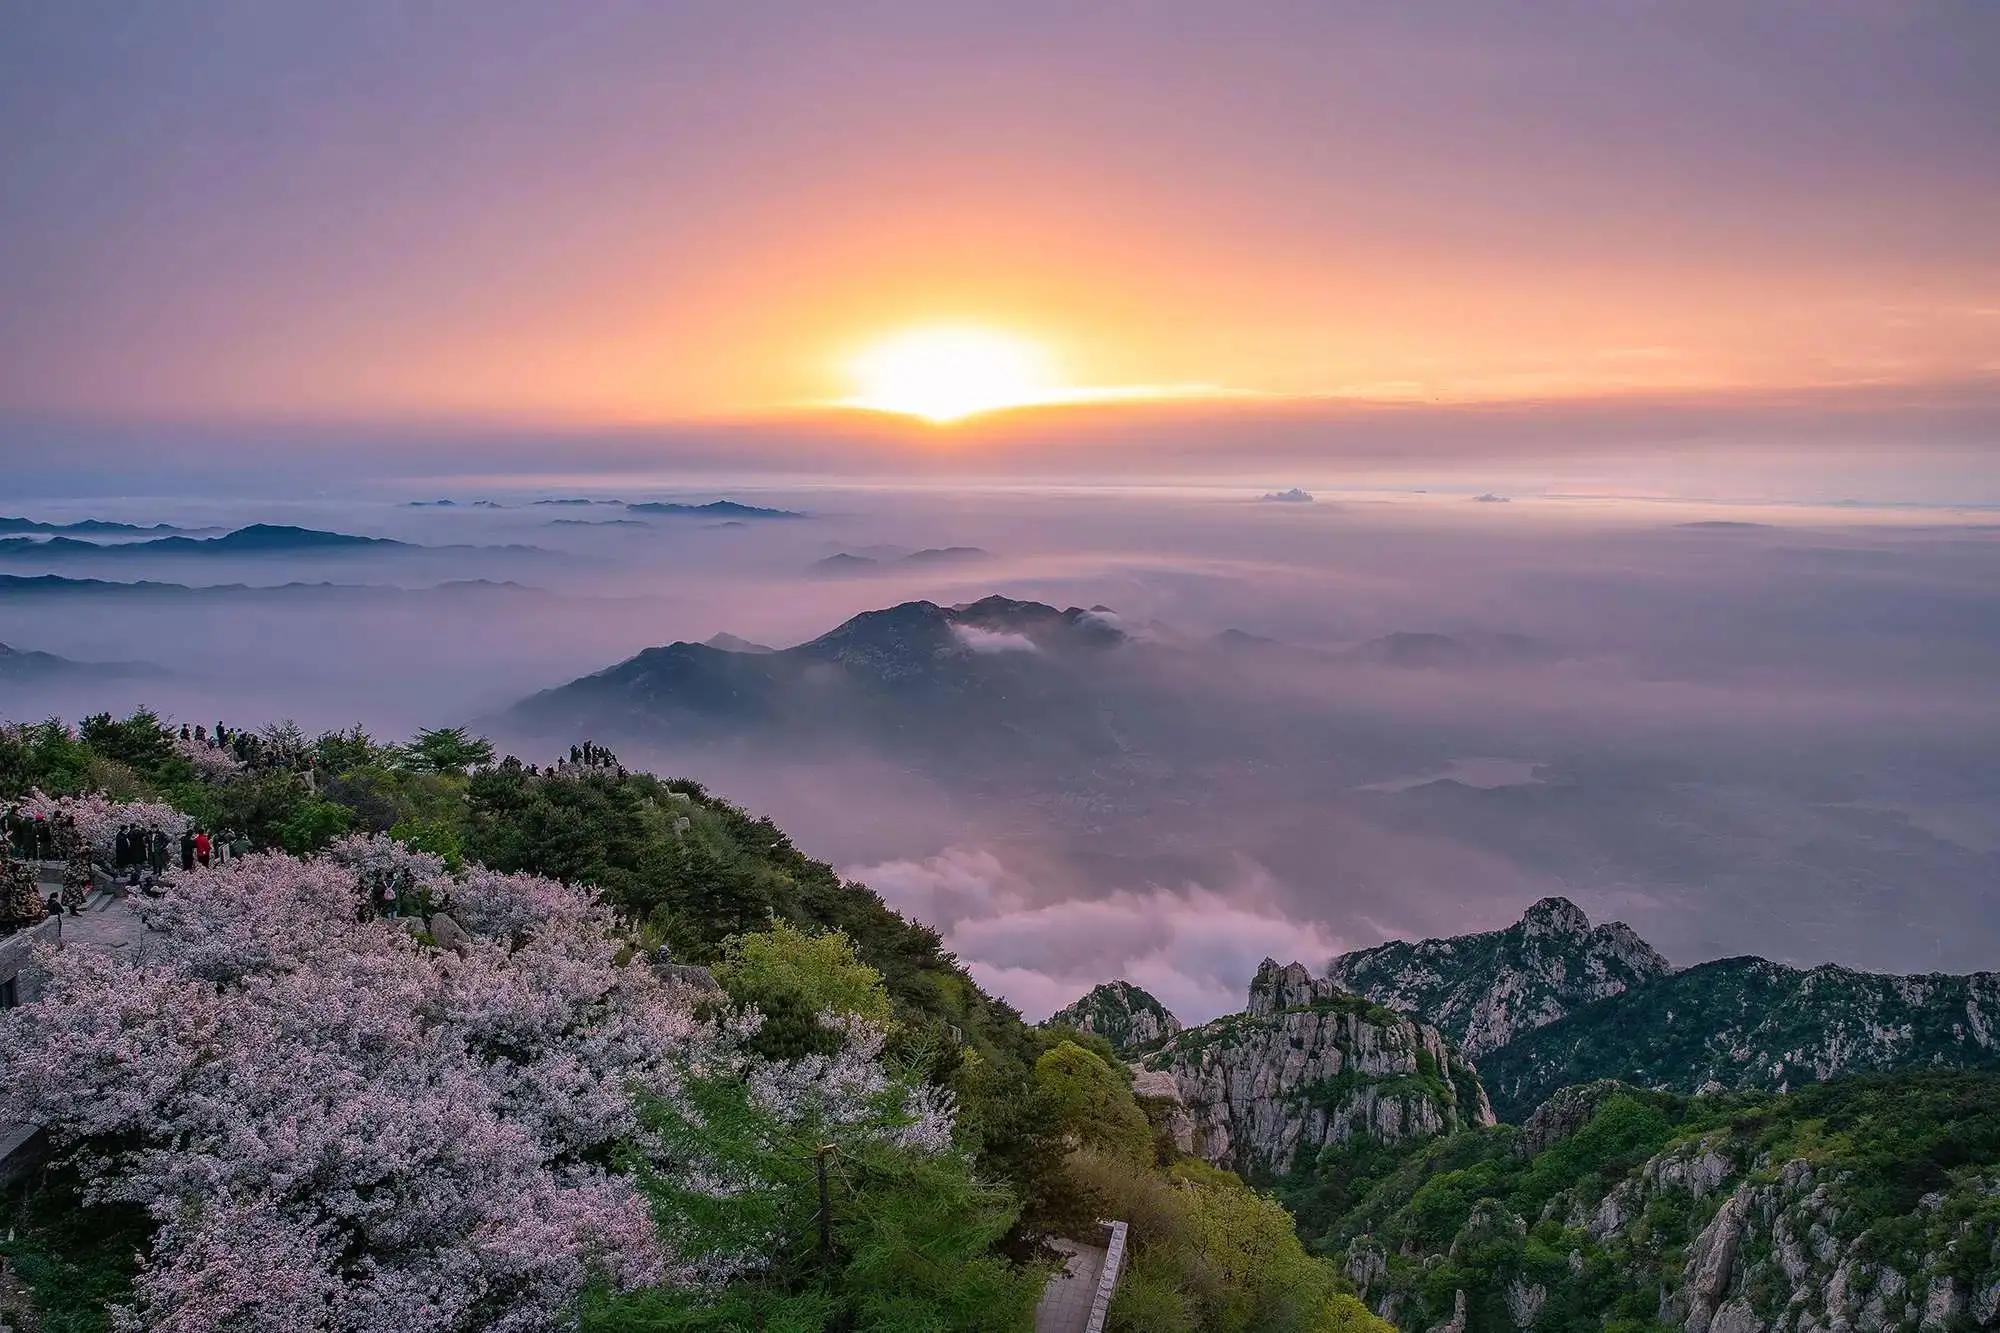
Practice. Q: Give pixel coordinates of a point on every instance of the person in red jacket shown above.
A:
(202, 847)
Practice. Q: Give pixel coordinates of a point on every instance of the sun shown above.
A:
(948, 372)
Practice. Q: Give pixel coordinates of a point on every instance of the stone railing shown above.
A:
(1107, 1279)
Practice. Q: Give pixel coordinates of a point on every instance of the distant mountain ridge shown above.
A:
(847, 562)
(1121, 1013)
(1487, 989)
(713, 509)
(920, 673)
(256, 539)
(19, 666)
(56, 585)
(1749, 1023)
(1552, 1000)
(86, 525)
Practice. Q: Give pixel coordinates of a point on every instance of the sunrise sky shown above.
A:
(617, 216)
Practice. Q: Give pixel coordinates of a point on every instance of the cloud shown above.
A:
(1194, 947)
(994, 641)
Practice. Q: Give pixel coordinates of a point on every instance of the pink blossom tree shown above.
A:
(336, 1126)
(98, 817)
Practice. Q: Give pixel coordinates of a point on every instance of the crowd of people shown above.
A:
(38, 838)
(138, 856)
(590, 755)
(249, 748)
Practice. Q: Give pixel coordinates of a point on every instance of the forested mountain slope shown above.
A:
(1862, 1204)
(1121, 1013)
(1740, 1023)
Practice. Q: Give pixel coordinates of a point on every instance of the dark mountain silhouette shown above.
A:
(947, 555)
(843, 563)
(713, 509)
(16, 586)
(1014, 676)
(847, 562)
(86, 525)
(729, 643)
(19, 667)
(257, 539)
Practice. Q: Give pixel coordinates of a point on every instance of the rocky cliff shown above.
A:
(1127, 1017)
(1485, 990)
(1862, 1207)
(1307, 1065)
(1742, 1023)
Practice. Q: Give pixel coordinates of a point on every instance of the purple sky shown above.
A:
(650, 234)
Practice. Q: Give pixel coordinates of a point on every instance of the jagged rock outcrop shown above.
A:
(1779, 1256)
(1306, 1065)
(1871, 1206)
(1747, 1023)
(1562, 1115)
(1127, 1017)
(1485, 990)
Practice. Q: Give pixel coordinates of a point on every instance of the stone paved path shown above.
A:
(1066, 1301)
(109, 925)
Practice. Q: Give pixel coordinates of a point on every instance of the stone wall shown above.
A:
(21, 1145)
(15, 950)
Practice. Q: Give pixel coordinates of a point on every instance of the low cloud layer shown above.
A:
(1741, 727)
(1192, 947)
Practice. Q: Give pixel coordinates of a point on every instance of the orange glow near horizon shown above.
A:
(719, 214)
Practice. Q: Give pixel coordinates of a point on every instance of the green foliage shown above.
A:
(344, 751)
(439, 837)
(76, 1260)
(1625, 1130)
(727, 873)
(1322, 1187)
(311, 825)
(140, 742)
(1879, 1145)
(1093, 1102)
(44, 755)
(909, 1243)
(446, 750)
(1204, 1251)
(818, 967)
(1742, 1023)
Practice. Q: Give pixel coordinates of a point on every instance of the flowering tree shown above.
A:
(98, 818)
(416, 879)
(211, 763)
(337, 1127)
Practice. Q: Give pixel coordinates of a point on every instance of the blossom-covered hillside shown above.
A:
(434, 1043)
